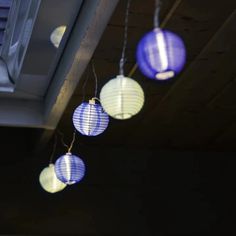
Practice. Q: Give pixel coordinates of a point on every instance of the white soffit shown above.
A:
(41, 102)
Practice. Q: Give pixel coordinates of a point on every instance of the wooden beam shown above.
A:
(83, 41)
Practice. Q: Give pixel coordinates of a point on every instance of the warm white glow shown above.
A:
(122, 97)
(161, 45)
(87, 116)
(57, 34)
(165, 75)
(68, 167)
(49, 181)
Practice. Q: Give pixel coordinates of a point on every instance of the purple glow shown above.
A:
(161, 54)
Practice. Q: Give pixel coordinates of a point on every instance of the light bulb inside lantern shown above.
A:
(49, 181)
(122, 97)
(165, 75)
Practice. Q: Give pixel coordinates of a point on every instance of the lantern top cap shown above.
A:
(122, 77)
(51, 165)
(93, 100)
(157, 29)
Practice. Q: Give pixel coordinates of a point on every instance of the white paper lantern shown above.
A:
(57, 35)
(49, 180)
(122, 97)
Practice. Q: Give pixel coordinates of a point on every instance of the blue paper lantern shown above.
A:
(69, 169)
(161, 54)
(90, 119)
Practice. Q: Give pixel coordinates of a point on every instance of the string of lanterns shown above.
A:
(160, 55)
(68, 169)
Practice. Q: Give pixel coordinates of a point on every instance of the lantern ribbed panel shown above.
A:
(69, 169)
(161, 54)
(49, 181)
(90, 119)
(122, 97)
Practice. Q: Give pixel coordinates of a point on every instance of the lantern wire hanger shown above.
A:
(156, 21)
(69, 147)
(84, 85)
(122, 60)
(86, 81)
(53, 149)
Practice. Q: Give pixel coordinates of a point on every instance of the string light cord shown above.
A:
(69, 147)
(53, 149)
(122, 60)
(72, 142)
(96, 80)
(84, 85)
(156, 21)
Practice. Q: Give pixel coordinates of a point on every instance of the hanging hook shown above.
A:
(63, 142)
(84, 85)
(72, 142)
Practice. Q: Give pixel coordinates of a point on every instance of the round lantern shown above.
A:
(122, 97)
(90, 119)
(49, 181)
(69, 169)
(57, 34)
(161, 54)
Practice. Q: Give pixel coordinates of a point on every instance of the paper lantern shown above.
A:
(49, 180)
(90, 119)
(69, 168)
(161, 54)
(57, 35)
(122, 97)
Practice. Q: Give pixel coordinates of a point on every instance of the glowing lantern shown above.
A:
(161, 54)
(49, 180)
(122, 97)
